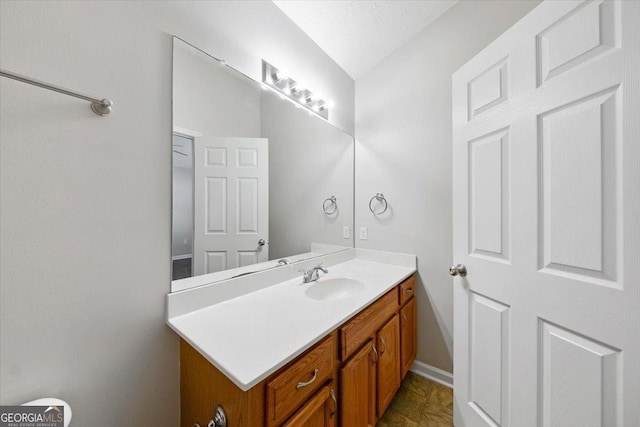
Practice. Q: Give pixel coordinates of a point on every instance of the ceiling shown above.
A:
(358, 34)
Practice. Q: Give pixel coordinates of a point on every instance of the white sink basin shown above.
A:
(334, 289)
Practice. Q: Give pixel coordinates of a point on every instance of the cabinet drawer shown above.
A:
(364, 325)
(298, 381)
(407, 289)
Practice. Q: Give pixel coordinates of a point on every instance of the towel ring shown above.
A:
(326, 205)
(380, 198)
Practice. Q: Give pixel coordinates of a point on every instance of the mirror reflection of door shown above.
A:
(231, 199)
(182, 241)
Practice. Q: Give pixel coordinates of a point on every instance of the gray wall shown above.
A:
(309, 161)
(85, 213)
(403, 149)
(211, 99)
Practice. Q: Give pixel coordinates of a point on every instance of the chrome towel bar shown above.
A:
(101, 107)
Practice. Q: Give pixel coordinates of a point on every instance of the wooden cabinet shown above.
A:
(320, 411)
(388, 365)
(365, 324)
(369, 354)
(357, 388)
(408, 335)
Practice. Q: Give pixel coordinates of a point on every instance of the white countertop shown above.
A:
(248, 337)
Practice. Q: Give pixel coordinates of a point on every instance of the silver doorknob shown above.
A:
(459, 269)
(261, 242)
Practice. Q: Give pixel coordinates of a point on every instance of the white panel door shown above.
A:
(546, 181)
(231, 203)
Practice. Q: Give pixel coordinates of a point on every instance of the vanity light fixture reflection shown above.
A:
(294, 90)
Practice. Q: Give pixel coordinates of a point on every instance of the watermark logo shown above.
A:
(31, 416)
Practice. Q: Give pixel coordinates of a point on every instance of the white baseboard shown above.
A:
(432, 373)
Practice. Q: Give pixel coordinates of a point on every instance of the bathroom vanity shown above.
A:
(324, 353)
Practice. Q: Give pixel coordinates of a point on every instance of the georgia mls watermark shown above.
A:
(31, 416)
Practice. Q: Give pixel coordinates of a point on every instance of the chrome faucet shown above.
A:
(313, 274)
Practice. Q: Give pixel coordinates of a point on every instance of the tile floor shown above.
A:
(419, 403)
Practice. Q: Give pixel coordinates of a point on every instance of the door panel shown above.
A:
(247, 199)
(573, 365)
(489, 196)
(489, 89)
(489, 358)
(216, 205)
(215, 261)
(585, 32)
(546, 181)
(578, 143)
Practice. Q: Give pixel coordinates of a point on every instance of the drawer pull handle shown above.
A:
(408, 290)
(302, 385)
(375, 352)
(404, 316)
(384, 344)
(335, 403)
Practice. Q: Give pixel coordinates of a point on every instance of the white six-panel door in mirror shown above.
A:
(230, 203)
(546, 205)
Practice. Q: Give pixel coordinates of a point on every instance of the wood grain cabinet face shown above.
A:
(388, 366)
(320, 411)
(295, 384)
(365, 324)
(408, 335)
(357, 388)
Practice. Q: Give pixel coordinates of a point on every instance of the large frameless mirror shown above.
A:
(258, 181)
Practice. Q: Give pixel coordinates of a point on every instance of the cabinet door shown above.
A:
(388, 372)
(408, 336)
(320, 411)
(358, 387)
